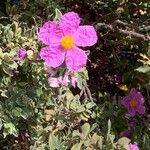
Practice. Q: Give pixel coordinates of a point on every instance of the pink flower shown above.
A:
(21, 54)
(64, 81)
(134, 102)
(53, 82)
(57, 82)
(63, 40)
(133, 147)
(74, 81)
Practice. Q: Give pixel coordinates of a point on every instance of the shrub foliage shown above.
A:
(34, 115)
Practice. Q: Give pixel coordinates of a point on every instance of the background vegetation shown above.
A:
(35, 116)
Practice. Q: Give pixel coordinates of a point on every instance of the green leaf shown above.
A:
(17, 112)
(93, 127)
(58, 14)
(9, 128)
(146, 142)
(18, 32)
(4, 93)
(77, 146)
(80, 109)
(123, 141)
(39, 92)
(76, 133)
(143, 69)
(1, 124)
(1, 54)
(90, 105)
(6, 57)
(10, 35)
(52, 142)
(109, 128)
(80, 82)
(85, 129)
(69, 96)
(75, 103)
(12, 64)
(7, 70)
(83, 117)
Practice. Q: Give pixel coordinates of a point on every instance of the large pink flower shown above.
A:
(63, 40)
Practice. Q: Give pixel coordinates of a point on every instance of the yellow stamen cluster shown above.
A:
(133, 103)
(67, 42)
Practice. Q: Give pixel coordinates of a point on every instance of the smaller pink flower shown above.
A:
(74, 81)
(133, 147)
(21, 54)
(57, 82)
(53, 82)
(65, 80)
(134, 102)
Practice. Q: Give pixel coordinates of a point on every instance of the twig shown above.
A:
(122, 23)
(101, 25)
(135, 34)
(85, 94)
(4, 18)
(81, 93)
(148, 95)
(88, 92)
(127, 32)
(147, 28)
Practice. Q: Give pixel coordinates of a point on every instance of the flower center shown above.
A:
(133, 103)
(67, 42)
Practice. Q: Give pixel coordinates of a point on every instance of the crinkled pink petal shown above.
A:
(85, 36)
(53, 82)
(65, 80)
(53, 56)
(75, 59)
(133, 147)
(137, 95)
(69, 22)
(125, 101)
(60, 79)
(140, 97)
(131, 111)
(50, 33)
(141, 110)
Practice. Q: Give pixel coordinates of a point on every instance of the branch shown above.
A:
(135, 34)
(123, 31)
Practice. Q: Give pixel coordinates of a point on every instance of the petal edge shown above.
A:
(75, 59)
(85, 36)
(53, 56)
